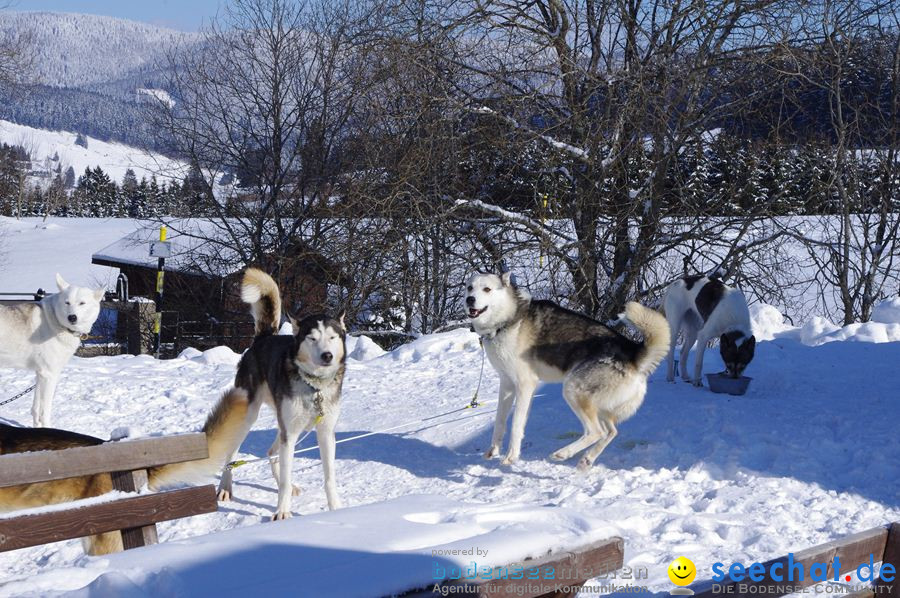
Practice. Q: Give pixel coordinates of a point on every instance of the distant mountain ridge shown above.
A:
(87, 51)
(90, 74)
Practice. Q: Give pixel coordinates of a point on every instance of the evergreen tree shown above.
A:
(148, 208)
(155, 198)
(193, 194)
(134, 199)
(96, 194)
(697, 189)
(69, 178)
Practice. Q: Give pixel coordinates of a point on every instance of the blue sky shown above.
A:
(186, 15)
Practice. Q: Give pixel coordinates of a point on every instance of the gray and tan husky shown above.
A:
(604, 373)
(299, 376)
(224, 423)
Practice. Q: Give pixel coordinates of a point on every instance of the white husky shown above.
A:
(43, 336)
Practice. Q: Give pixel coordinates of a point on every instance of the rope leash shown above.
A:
(20, 395)
(474, 403)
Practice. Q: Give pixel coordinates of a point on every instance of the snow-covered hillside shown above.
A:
(114, 158)
(809, 454)
(81, 50)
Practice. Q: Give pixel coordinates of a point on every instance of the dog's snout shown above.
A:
(73, 318)
(470, 301)
(327, 357)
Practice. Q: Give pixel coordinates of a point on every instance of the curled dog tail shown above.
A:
(225, 429)
(261, 292)
(656, 335)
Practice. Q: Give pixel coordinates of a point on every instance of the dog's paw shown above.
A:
(492, 452)
(295, 490)
(223, 495)
(698, 383)
(281, 515)
(559, 456)
(584, 465)
(509, 460)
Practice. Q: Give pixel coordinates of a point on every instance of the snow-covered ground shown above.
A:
(809, 454)
(32, 251)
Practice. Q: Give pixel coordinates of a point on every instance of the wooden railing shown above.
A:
(882, 544)
(127, 463)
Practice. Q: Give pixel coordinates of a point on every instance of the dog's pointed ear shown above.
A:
(727, 345)
(341, 318)
(99, 293)
(749, 348)
(62, 284)
(506, 279)
(295, 323)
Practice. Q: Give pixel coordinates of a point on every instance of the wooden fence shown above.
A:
(880, 543)
(127, 463)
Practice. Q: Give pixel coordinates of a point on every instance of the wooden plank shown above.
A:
(132, 481)
(852, 551)
(891, 589)
(570, 568)
(33, 530)
(43, 466)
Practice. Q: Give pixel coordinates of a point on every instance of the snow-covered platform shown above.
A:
(379, 549)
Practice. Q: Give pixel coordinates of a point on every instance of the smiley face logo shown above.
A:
(682, 571)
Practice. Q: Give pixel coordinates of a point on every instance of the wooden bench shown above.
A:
(127, 463)
(854, 550)
(570, 569)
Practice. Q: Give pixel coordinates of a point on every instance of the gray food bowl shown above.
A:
(723, 383)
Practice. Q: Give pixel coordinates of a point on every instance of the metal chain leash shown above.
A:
(17, 396)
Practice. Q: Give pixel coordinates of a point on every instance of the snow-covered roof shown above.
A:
(193, 249)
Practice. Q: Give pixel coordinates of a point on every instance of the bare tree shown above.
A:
(266, 98)
(16, 57)
(853, 242)
(610, 94)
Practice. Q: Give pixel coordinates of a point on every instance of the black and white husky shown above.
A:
(703, 309)
(604, 373)
(299, 376)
